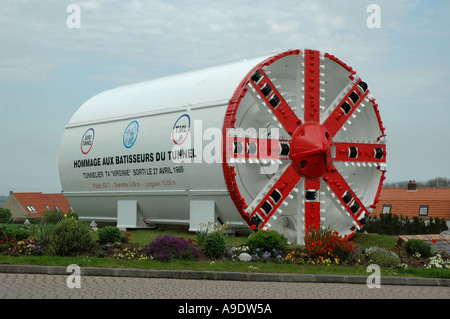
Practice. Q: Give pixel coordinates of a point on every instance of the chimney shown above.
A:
(412, 186)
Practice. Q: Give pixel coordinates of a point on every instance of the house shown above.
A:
(36, 204)
(414, 201)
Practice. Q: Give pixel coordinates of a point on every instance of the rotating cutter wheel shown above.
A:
(304, 146)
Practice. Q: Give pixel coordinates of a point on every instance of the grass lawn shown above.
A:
(143, 237)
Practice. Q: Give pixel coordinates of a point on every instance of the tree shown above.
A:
(5, 215)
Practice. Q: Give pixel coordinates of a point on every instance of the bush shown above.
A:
(205, 229)
(382, 257)
(71, 237)
(6, 240)
(215, 245)
(52, 217)
(418, 226)
(387, 224)
(17, 233)
(328, 244)
(417, 246)
(3, 233)
(267, 240)
(41, 231)
(169, 247)
(390, 224)
(436, 225)
(109, 234)
(201, 236)
(5, 215)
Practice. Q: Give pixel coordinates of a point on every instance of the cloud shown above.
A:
(162, 37)
(19, 62)
(405, 62)
(188, 34)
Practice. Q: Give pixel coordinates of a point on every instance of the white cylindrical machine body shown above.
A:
(192, 102)
(163, 145)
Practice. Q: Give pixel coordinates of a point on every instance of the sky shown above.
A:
(48, 68)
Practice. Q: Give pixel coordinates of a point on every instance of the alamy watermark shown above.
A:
(373, 21)
(73, 21)
(241, 145)
(374, 280)
(73, 280)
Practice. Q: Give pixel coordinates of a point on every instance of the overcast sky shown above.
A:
(47, 70)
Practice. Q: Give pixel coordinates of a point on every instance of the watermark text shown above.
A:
(73, 280)
(374, 19)
(374, 280)
(73, 21)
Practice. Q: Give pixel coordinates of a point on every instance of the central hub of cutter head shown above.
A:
(310, 150)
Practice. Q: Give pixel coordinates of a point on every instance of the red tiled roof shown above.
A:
(407, 203)
(39, 200)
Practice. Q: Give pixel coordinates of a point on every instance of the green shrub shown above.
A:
(169, 247)
(41, 231)
(18, 233)
(391, 224)
(382, 257)
(3, 233)
(436, 225)
(71, 237)
(417, 246)
(215, 245)
(52, 217)
(109, 234)
(5, 215)
(327, 243)
(205, 229)
(267, 240)
(201, 235)
(418, 226)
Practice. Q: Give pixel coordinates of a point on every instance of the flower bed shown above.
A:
(321, 248)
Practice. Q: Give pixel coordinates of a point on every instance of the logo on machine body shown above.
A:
(130, 135)
(181, 128)
(87, 141)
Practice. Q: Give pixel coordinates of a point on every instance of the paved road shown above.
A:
(45, 286)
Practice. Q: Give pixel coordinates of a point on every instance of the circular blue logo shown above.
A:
(130, 135)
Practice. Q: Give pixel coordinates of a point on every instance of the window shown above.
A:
(57, 209)
(386, 209)
(423, 210)
(31, 209)
(48, 208)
